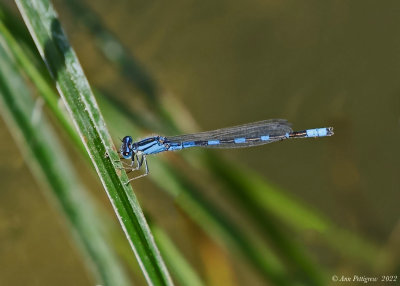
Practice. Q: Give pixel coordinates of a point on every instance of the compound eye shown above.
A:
(126, 155)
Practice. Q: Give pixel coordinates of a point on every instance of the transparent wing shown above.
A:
(275, 128)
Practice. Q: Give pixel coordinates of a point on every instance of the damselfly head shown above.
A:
(126, 147)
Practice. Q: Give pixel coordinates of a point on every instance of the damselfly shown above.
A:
(246, 135)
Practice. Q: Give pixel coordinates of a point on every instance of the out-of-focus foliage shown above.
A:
(232, 225)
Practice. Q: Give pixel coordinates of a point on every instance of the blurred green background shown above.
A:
(315, 63)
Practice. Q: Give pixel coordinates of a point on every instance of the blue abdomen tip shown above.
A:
(319, 132)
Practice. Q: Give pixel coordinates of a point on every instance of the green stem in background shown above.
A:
(49, 162)
(262, 197)
(266, 222)
(72, 84)
(220, 227)
(41, 84)
(178, 264)
(126, 63)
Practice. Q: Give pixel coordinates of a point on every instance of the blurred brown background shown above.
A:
(315, 63)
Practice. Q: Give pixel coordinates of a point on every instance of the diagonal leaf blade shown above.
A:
(42, 152)
(75, 91)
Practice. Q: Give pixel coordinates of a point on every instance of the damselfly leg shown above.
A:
(140, 162)
(140, 159)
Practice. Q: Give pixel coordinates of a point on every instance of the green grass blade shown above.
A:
(251, 189)
(41, 84)
(72, 84)
(50, 164)
(181, 269)
(131, 69)
(219, 226)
